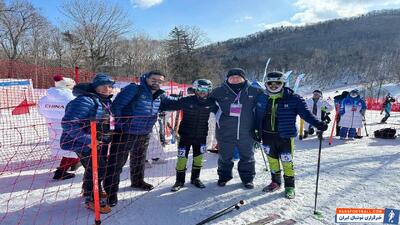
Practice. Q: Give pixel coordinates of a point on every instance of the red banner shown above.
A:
(377, 104)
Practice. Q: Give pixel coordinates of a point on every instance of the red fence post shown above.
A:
(76, 74)
(95, 174)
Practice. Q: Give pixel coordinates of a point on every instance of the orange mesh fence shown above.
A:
(30, 194)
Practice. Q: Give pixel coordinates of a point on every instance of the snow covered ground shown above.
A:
(363, 173)
(360, 174)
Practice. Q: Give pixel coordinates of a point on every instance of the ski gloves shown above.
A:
(322, 126)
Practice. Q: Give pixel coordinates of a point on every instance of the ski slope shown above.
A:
(363, 173)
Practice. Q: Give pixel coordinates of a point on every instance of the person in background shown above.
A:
(352, 112)
(93, 102)
(52, 108)
(338, 99)
(387, 107)
(319, 107)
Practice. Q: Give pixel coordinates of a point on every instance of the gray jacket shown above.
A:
(233, 127)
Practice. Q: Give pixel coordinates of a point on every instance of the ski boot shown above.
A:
(180, 181)
(289, 192)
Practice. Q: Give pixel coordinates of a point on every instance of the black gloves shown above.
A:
(322, 126)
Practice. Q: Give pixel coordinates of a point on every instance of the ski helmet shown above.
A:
(354, 93)
(202, 85)
(275, 77)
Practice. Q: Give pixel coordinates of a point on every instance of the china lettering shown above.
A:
(54, 106)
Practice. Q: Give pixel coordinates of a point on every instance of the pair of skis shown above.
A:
(267, 220)
(271, 218)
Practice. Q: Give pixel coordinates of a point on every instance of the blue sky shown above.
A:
(224, 19)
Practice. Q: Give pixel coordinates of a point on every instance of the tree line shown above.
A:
(98, 37)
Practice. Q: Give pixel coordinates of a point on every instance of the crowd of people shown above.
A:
(244, 114)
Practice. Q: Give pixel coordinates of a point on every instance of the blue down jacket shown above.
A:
(289, 107)
(76, 121)
(136, 108)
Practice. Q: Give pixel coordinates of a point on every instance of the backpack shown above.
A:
(385, 133)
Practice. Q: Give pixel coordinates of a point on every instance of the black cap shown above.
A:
(236, 71)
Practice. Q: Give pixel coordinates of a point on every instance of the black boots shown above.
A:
(195, 179)
(180, 180)
(62, 175)
(112, 200)
(142, 185)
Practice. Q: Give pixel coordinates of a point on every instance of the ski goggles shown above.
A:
(353, 94)
(276, 83)
(203, 89)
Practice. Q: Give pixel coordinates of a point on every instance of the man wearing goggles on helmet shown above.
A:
(193, 130)
(276, 112)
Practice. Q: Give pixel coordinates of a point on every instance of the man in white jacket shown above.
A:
(318, 107)
(52, 108)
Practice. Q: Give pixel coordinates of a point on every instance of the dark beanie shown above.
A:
(236, 71)
(102, 79)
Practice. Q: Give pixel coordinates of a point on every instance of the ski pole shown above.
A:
(365, 126)
(258, 145)
(318, 167)
(222, 212)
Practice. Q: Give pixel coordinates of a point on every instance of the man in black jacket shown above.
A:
(193, 130)
(235, 126)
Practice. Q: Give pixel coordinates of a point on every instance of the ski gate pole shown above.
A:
(95, 175)
(365, 126)
(334, 124)
(318, 167)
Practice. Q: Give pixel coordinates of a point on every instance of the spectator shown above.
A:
(352, 112)
(93, 101)
(136, 108)
(319, 107)
(338, 99)
(52, 108)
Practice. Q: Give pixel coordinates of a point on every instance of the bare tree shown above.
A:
(16, 23)
(97, 25)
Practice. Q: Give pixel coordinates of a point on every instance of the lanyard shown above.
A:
(237, 98)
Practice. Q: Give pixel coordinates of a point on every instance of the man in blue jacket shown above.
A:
(135, 108)
(276, 112)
